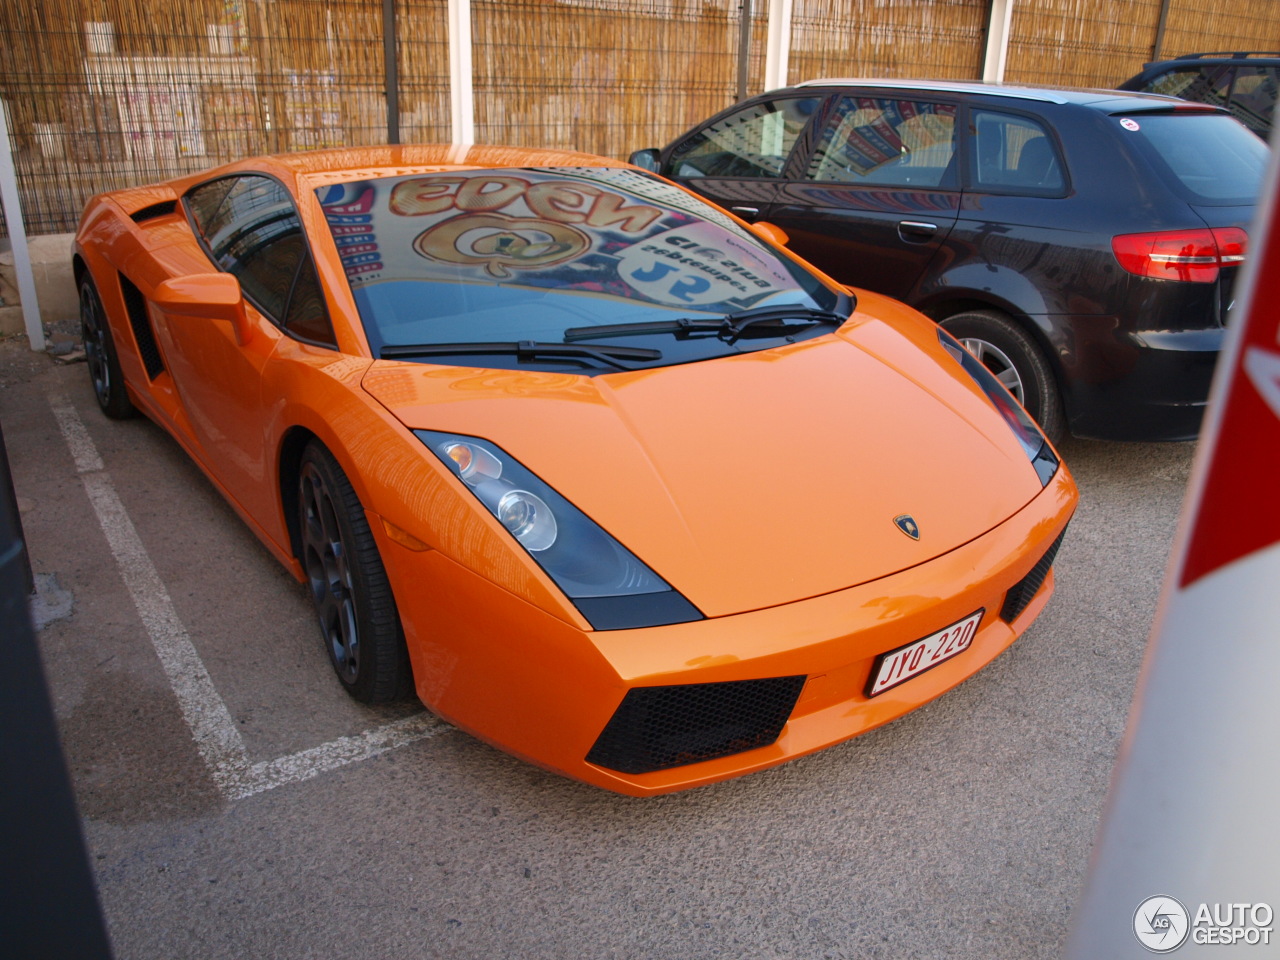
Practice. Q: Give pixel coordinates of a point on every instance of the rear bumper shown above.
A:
(541, 689)
(1146, 385)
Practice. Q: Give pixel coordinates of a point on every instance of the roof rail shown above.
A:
(1232, 54)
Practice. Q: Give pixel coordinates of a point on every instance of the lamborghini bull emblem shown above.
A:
(907, 524)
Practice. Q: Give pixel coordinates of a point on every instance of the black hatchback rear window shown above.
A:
(1207, 158)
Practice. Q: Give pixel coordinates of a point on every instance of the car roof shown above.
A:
(413, 158)
(1105, 100)
(1227, 56)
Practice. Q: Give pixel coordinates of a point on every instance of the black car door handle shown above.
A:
(745, 212)
(916, 231)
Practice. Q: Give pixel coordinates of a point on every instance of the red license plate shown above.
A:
(896, 666)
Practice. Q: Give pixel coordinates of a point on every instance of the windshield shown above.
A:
(1208, 158)
(522, 255)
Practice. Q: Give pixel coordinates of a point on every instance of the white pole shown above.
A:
(777, 50)
(18, 236)
(998, 41)
(461, 90)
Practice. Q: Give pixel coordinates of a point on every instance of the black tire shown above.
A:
(348, 584)
(100, 355)
(1016, 360)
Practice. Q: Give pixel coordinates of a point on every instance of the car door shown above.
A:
(879, 191)
(739, 158)
(250, 227)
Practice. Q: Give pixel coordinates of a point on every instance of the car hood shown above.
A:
(755, 479)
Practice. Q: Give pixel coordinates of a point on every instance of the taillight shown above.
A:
(1193, 255)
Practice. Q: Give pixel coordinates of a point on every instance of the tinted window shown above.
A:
(1204, 84)
(1206, 158)
(307, 316)
(754, 142)
(1012, 154)
(251, 229)
(897, 142)
(205, 201)
(1253, 97)
(505, 256)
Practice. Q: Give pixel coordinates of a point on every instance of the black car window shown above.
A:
(1253, 97)
(1206, 157)
(881, 141)
(753, 142)
(1014, 154)
(306, 316)
(1205, 84)
(206, 200)
(251, 229)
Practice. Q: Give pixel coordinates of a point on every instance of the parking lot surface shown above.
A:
(237, 804)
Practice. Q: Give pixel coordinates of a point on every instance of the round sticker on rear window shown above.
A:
(1130, 124)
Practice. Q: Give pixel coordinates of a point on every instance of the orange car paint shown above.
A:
(495, 646)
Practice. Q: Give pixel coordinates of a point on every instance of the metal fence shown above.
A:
(108, 93)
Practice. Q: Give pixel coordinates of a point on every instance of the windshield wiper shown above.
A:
(525, 350)
(730, 325)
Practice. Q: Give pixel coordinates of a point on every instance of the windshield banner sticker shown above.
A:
(549, 229)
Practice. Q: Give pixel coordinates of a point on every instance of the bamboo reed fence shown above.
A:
(605, 76)
(1081, 42)
(109, 93)
(938, 39)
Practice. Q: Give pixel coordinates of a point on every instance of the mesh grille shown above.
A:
(655, 728)
(1020, 594)
(136, 305)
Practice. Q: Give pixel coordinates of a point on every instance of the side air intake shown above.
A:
(655, 728)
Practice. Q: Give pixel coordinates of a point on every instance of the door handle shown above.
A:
(916, 231)
(745, 212)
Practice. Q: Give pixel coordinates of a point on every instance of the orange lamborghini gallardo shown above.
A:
(606, 476)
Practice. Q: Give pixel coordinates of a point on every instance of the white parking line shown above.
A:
(216, 734)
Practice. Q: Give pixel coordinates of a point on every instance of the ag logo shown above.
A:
(1161, 924)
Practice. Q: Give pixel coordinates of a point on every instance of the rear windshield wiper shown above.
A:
(730, 325)
(525, 350)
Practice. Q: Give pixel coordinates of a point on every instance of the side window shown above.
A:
(1204, 84)
(895, 142)
(1014, 155)
(251, 229)
(754, 142)
(307, 317)
(1253, 97)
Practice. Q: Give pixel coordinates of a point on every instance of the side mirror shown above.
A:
(768, 231)
(646, 160)
(215, 295)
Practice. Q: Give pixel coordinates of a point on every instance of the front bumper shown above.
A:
(544, 690)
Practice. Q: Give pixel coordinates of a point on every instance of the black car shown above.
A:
(1082, 244)
(1245, 82)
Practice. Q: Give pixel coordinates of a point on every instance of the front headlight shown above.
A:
(610, 586)
(1033, 442)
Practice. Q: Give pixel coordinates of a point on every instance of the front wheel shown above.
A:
(1015, 359)
(348, 584)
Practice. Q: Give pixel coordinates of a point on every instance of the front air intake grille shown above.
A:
(1020, 594)
(655, 728)
(135, 305)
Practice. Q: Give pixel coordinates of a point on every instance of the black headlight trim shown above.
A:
(580, 549)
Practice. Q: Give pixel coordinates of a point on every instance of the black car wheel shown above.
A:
(348, 584)
(1016, 361)
(100, 355)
